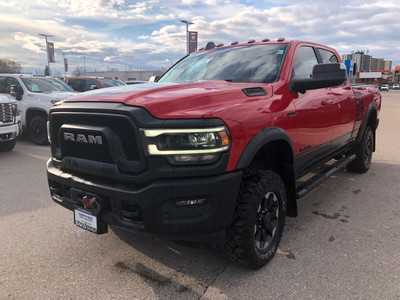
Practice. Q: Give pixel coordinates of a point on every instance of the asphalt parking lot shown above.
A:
(345, 244)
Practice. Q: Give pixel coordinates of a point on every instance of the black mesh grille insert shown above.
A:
(120, 126)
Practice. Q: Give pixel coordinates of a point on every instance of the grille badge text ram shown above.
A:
(85, 139)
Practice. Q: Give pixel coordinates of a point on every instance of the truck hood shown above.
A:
(51, 95)
(173, 100)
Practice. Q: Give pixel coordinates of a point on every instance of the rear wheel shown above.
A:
(7, 146)
(259, 219)
(363, 152)
(38, 130)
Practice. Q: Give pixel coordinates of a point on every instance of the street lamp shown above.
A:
(84, 63)
(187, 34)
(47, 49)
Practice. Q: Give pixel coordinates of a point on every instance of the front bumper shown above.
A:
(153, 208)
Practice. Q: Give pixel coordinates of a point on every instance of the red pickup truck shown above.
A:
(215, 149)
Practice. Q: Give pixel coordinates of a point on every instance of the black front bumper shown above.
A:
(154, 208)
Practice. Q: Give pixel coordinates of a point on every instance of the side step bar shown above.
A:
(307, 186)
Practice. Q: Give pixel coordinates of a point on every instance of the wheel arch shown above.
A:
(370, 120)
(272, 149)
(33, 112)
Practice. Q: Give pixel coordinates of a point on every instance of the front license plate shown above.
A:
(85, 220)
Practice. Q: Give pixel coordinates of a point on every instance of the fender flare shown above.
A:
(261, 139)
(370, 110)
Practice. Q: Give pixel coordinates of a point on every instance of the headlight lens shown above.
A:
(184, 142)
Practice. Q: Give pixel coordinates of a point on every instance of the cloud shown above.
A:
(148, 33)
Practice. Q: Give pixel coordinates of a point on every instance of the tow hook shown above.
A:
(88, 204)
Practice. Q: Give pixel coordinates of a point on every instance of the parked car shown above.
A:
(35, 96)
(396, 86)
(83, 84)
(214, 148)
(10, 123)
(385, 87)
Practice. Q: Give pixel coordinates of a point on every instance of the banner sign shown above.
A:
(50, 51)
(192, 41)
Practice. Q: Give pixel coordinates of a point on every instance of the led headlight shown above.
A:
(188, 145)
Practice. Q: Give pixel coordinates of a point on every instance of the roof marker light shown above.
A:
(265, 40)
(281, 39)
(235, 43)
(220, 45)
(251, 41)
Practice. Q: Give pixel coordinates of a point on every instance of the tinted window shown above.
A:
(45, 84)
(76, 84)
(107, 82)
(88, 85)
(328, 56)
(256, 63)
(304, 63)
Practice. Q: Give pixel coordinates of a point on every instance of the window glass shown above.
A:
(107, 82)
(3, 84)
(304, 63)
(76, 84)
(256, 63)
(12, 81)
(328, 56)
(45, 85)
(88, 84)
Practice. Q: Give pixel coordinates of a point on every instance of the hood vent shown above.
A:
(254, 91)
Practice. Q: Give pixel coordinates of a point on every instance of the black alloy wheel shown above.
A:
(38, 130)
(363, 152)
(255, 234)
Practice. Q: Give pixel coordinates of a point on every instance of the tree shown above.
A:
(9, 66)
(46, 71)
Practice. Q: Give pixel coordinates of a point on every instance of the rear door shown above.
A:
(342, 104)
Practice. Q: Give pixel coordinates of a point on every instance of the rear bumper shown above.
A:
(157, 207)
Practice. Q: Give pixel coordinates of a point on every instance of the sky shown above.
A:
(148, 35)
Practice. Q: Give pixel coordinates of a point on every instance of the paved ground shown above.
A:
(345, 244)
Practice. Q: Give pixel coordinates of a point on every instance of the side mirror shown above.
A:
(323, 76)
(154, 78)
(15, 92)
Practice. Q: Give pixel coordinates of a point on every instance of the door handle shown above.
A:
(327, 102)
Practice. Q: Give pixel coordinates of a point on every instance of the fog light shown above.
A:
(191, 202)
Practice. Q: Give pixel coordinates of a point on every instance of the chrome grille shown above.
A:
(6, 113)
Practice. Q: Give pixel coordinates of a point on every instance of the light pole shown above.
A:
(187, 34)
(84, 63)
(47, 50)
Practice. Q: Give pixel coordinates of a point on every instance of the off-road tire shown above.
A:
(363, 151)
(259, 219)
(38, 130)
(7, 146)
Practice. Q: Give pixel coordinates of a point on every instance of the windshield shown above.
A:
(108, 82)
(255, 63)
(45, 84)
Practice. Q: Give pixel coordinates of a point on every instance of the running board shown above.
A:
(307, 186)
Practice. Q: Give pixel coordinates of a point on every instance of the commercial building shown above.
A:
(367, 63)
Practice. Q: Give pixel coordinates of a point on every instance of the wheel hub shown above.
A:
(266, 221)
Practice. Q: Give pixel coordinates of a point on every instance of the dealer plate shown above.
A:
(85, 220)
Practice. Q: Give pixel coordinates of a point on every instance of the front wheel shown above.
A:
(363, 152)
(7, 146)
(259, 219)
(38, 130)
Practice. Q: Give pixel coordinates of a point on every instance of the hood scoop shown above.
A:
(254, 91)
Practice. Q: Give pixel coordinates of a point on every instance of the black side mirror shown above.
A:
(323, 76)
(16, 92)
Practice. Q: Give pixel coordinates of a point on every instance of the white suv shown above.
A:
(35, 96)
